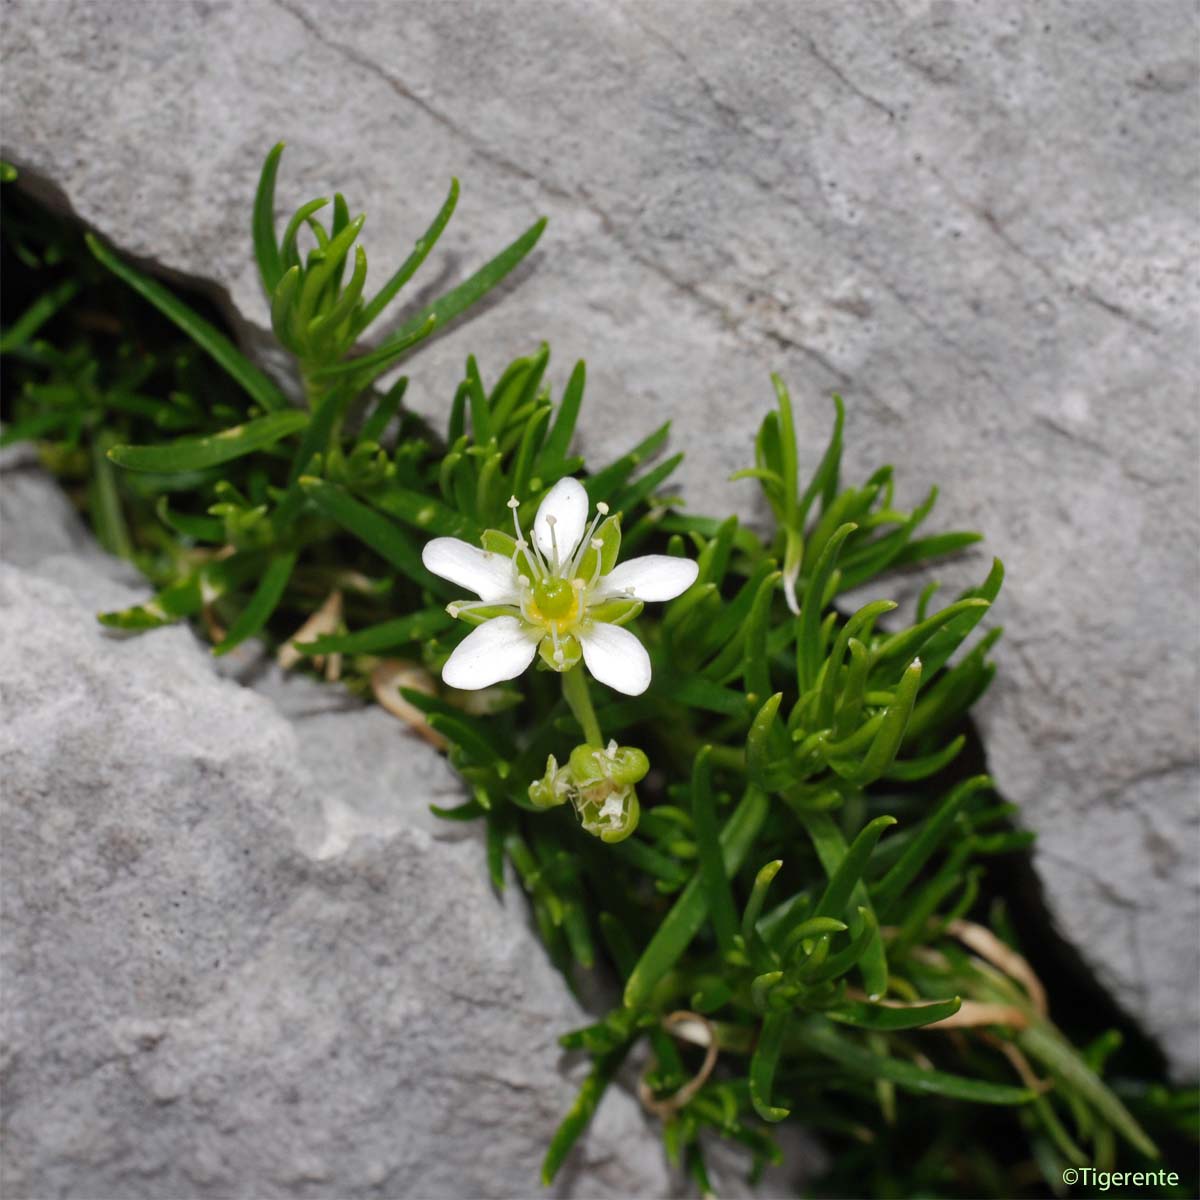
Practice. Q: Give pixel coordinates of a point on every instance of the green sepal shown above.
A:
(570, 648)
(615, 612)
(609, 535)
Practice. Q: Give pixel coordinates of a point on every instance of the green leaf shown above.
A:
(910, 769)
(943, 644)
(758, 896)
(266, 248)
(576, 1121)
(195, 453)
(441, 312)
(887, 1017)
(712, 865)
(558, 441)
(688, 913)
(262, 604)
(890, 734)
(604, 483)
(1043, 1043)
(210, 340)
(820, 1034)
(830, 846)
(808, 639)
(850, 870)
(200, 529)
(407, 269)
(755, 665)
(904, 646)
(387, 635)
(764, 1062)
(929, 837)
(386, 538)
(423, 512)
(825, 479)
(37, 314)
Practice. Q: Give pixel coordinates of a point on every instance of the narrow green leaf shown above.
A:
(266, 248)
(825, 479)
(210, 340)
(411, 264)
(850, 870)
(1043, 1043)
(808, 640)
(688, 913)
(830, 846)
(930, 835)
(943, 644)
(758, 896)
(558, 440)
(755, 664)
(441, 312)
(383, 536)
(195, 453)
(576, 1121)
(911, 769)
(712, 865)
(200, 529)
(821, 1035)
(604, 483)
(262, 603)
(886, 741)
(764, 1062)
(387, 635)
(887, 1017)
(904, 646)
(37, 314)
(376, 424)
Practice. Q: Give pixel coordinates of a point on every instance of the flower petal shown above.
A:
(496, 650)
(567, 503)
(487, 574)
(651, 577)
(615, 657)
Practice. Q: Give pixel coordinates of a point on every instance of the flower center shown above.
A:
(554, 597)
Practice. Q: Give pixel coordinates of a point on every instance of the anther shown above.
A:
(513, 502)
(602, 508)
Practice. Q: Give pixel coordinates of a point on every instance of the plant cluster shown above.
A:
(760, 825)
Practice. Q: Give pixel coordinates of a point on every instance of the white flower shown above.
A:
(562, 595)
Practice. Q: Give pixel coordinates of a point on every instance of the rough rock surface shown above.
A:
(235, 960)
(976, 221)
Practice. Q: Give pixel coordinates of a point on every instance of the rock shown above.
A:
(976, 221)
(236, 959)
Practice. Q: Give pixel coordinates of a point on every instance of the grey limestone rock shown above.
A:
(976, 221)
(237, 959)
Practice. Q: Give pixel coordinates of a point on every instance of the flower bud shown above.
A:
(554, 788)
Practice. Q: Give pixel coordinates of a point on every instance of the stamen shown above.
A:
(551, 521)
(588, 540)
(535, 554)
(452, 609)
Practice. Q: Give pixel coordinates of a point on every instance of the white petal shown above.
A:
(616, 657)
(567, 503)
(498, 649)
(488, 575)
(651, 577)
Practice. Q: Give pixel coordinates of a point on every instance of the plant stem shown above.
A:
(579, 700)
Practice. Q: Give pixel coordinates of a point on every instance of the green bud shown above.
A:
(553, 788)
